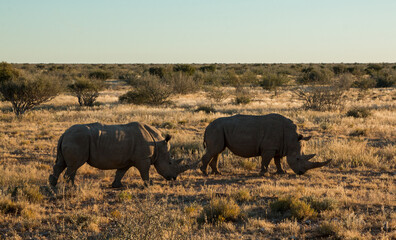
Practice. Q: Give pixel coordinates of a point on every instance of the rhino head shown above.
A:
(166, 166)
(299, 162)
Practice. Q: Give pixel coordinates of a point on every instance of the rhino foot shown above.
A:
(263, 173)
(216, 172)
(117, 185)
(53, 180)
(204, 171)
(281, 172)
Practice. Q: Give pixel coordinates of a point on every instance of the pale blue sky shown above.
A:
(197, 31)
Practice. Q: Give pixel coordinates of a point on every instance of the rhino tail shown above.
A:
(60, 164)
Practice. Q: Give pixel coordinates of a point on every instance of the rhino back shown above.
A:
(117, 146)
(249, 136)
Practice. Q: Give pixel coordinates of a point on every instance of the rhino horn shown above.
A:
(183, 168)
(311, 165)
(178, 161)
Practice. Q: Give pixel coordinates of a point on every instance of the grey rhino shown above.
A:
(269, 136)
(115, 147)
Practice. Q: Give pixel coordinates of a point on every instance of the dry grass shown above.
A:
(359, 185)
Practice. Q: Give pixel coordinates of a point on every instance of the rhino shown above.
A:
(115, 147)
(269, 136)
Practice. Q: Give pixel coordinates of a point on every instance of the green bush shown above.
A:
(102, 75)
(272, 81)
(157, 71)
(86, 91)
(183, 83)
(315, 76)
(216, 93)
(293, 207)
(208, 68)
(321, 98)
(358, 112)
(150, 90)
(25, 93)
(220, 210)
(206, 109)
(7, 72)
(185, 68)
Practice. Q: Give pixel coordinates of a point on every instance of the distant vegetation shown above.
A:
(320, 86)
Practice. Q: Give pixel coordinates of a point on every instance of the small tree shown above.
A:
(86, 91)
(100, 74)
(272, 81)
(150, 91)
(188, 69)
(26, 93)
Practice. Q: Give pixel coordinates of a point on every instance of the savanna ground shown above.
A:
(351, 198)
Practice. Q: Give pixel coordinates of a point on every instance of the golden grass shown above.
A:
(360, 179)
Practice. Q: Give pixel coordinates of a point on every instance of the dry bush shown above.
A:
(321, 98)
(86, 91)
(150, 90)
(218, 94)
(220, 210)
(26, 92)
(183, 83)
(292, 207)
(358, 112)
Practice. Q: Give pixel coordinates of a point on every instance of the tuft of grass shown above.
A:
(320, 205)
(328, 229)
(358, 132)
(7, 206)
(124, 196)
(205, 109)
(358, 112)
(246, 164)
(242, 195)
(293, 207)
(220, 210)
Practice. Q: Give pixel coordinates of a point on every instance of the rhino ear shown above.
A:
(301, 137)
(167, 137)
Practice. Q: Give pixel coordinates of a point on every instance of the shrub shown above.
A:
(25, 93)
(206, 109)
(385, 79)
(185, 68)
(315, 76)
(216, 93)
(182, 83)
(321, 98)
(293, 207)
(150, 91)
(358, 112)
(102, 75)
(7, 72)
(246, 164)
(208, 68)
(242, 96)
(364, 83)
(86, 91)
(7, 206)
(242, 195)
(157, 71)
(272, 81)
(220, 210)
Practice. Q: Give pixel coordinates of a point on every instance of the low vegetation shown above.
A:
(351, 198)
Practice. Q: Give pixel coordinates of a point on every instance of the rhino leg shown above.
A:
(59, 166)
(266, 158)
(70, 174)
(119, 175)
(214, 165)
(279, 169)
(144, 169)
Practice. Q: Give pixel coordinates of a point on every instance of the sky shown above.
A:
(197, 31)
